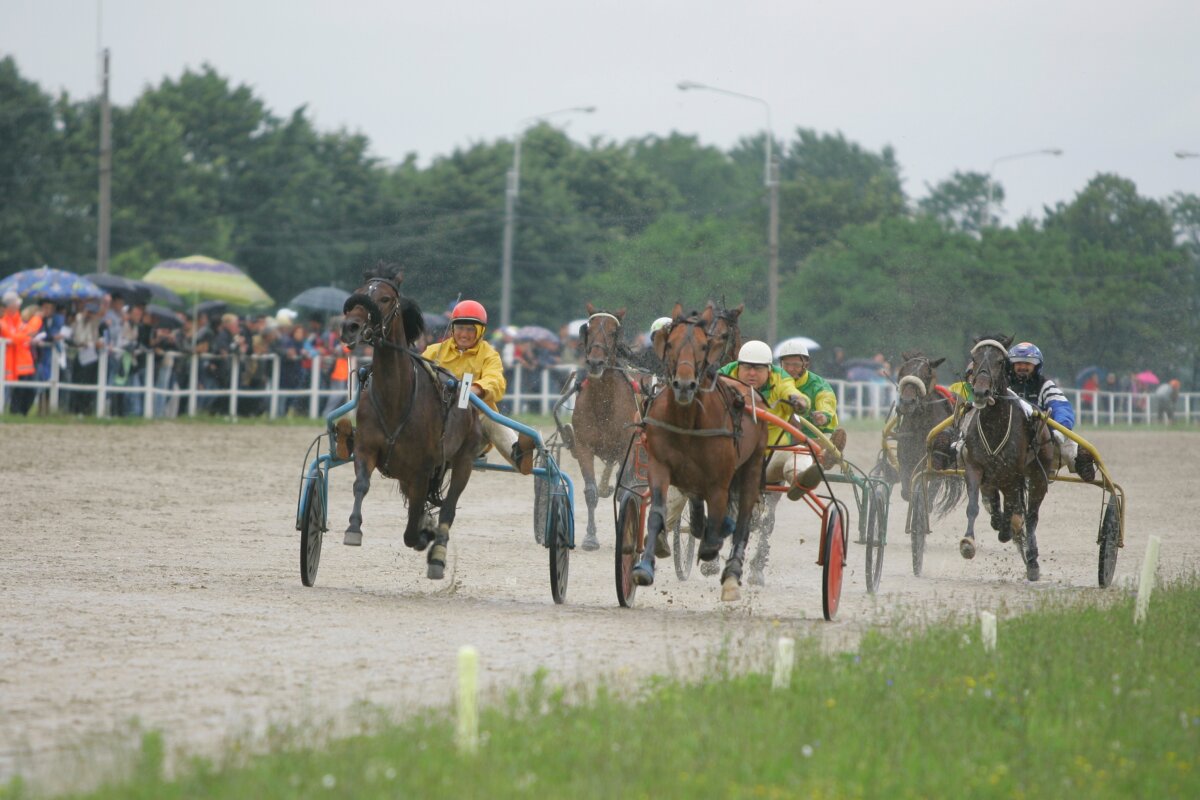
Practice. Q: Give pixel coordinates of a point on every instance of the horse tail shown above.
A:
(947, 493)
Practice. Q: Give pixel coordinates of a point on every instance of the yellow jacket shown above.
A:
(481, 360)
(774, 394)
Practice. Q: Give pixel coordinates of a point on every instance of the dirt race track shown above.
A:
(155, 577)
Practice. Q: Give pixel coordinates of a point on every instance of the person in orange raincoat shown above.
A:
(18, 361)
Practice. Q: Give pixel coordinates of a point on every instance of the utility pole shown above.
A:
(773, 253)
(104, 215)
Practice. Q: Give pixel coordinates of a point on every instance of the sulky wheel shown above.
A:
(875, 534)
(559, 544)
(541, 489)
(834, 548)
(1110, 540)
(312, 528)
(629, 524)
(918, 523)
(683, 544)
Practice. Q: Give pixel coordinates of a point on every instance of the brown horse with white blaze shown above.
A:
(407, 428)
(606, 409)
(700, 439)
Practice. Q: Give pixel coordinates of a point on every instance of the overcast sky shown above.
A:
(951, 84)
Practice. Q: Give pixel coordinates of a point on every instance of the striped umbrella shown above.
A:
(208, 279)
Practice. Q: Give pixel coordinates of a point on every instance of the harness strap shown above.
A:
(685, 431)
(992, 451)
(391, 440)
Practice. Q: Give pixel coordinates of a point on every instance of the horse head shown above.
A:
(917, 378)
(989, 374)
(374, 307)
(724, 338)
(684, 350)
(601, 337)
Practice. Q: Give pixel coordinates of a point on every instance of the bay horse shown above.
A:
(920, 405)
(605, 410)
(407, 427)
(1006, 451)
(700, 439)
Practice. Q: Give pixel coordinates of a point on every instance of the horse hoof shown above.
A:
(643, 575)
(1033, 572)
(1005, 536)
(435, 571)
(662, 549)
(709, 568)
(730, 590)
(967, 548)
(604, 491)
(756, 577)
(353, 538)
(590, 542)
(422, 540)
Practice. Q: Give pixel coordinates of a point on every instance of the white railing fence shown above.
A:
(179, 384)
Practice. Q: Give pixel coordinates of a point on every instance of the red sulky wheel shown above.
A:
(629, 523)
(834, 550)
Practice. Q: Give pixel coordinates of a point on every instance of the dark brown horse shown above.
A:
(1005, 452)
(700, 439)
(919, 407)
(605, 410)
(407, 429)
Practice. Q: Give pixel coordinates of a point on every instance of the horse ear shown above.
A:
(591, 309)
(935, 364)
(906, 355)
(620, 315)
(399, 277)
(677, 311)
(1007, 340)
(707, 316)
(659, 341)
(734, 313)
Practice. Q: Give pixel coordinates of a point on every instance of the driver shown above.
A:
(466, 351)
(1028, 382)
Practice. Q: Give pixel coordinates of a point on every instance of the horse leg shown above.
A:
(1037, 493)
(587, 468)
(966, 545)
(364, 465)
(994, 507)
(731, 577)
(643, 572)
(606, 488)
(710, 545)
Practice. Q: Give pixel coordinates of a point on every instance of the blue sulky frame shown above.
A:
(554, 497)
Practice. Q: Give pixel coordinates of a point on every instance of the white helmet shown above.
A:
(792, 347)
(755, 352)
(659, 324)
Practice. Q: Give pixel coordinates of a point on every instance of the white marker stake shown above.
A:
(467, 737)
(785, 654)
(1146, 584)
(987, 630)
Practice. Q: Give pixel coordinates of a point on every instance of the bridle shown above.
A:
(608, 347)
(376, 331)
(701, 370)
(725, 356)
(982, 368)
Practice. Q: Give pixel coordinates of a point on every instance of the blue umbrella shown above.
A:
(50, 284)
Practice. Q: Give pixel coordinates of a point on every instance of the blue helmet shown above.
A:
(1025, 352)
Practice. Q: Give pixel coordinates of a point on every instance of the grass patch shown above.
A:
(1076, 701)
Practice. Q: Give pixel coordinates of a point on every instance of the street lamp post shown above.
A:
(987, 209)
(510, 208)
(1186, 154)
(771, 181)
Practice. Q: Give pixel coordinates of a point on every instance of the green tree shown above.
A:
(960, 203)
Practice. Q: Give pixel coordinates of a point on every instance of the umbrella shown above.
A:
(119, 286)
(209, 279)
(535, 333)
(160, 293)
(1082, 376)
(329, 299)
(1146, 378)
(211, 307)
(802, 340)
(163, 316)
(50, 284)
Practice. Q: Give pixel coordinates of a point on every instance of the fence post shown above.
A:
(235, 376)
(102, 386)
(149, 378)
(273, 403)
(55, 377)
(314, 388)
(194, 377)
(518, 380)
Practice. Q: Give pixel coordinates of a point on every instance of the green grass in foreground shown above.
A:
(1075, 702)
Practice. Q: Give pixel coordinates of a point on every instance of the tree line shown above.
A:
(202, 165)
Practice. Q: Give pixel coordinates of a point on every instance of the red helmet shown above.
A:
(469, 311)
